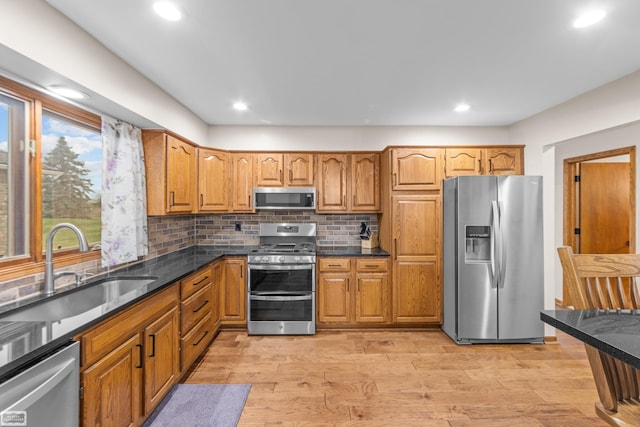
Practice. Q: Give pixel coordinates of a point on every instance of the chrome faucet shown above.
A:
(49, 275)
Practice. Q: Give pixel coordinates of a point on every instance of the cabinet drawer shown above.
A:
(106, 336)
(334, 264)
(195, 308)
(372, 264)
(193, 283)
(195, 341)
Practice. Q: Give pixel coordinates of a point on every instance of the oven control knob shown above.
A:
(281, 259)
(296, 259)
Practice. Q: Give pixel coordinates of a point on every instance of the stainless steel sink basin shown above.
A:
(80, 301)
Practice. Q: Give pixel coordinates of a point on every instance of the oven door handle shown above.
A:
(281, 266)
(277, 297)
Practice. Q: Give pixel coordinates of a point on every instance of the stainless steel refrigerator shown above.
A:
(493, 264)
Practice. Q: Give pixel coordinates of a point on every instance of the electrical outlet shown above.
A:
(238, 226)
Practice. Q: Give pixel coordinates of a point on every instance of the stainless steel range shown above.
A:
(282, 281)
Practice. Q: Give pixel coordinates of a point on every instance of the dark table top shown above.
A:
(614, 332)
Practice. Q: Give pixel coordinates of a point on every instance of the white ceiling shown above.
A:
(368, 62)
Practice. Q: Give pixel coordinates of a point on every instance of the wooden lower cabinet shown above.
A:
(111, 387)
(353, 291)
(196, 307)
(233, 292)
(415, 298)
(161, 358)
(130, 361)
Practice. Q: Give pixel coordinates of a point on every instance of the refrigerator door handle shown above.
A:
(502, 264)
(495, 232)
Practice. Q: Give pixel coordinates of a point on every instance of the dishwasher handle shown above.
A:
(27, 401)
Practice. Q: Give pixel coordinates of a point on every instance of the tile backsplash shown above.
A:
(333, 229)
(171, 233)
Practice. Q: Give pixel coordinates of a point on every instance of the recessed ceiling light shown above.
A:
(240, 106)
(167, 10)
(589, 18)
(67, 92)
(461, 108)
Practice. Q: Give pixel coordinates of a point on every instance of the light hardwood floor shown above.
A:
(398, 378)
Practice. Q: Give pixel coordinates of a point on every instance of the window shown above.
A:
(71, 179)
(14, 177)
(50, 172)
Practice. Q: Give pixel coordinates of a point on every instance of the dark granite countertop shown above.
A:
(614, 332)
(349, 251)
(22, 342)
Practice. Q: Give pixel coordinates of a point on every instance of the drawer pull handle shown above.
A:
(153, 345)
(335, 265)
(200, 281)
(371, 266)
(201, 306)
(201, 338)
(141, 355)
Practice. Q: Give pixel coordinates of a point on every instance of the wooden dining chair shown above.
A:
(607, 281)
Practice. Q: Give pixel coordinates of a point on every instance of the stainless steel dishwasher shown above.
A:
(45, 394)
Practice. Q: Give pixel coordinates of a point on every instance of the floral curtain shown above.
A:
(124, 202)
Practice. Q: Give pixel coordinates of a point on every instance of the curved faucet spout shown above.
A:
(49, 276)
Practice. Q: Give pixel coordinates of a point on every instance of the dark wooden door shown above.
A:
(604, 208)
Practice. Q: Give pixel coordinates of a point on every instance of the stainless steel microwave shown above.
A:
(290, 198)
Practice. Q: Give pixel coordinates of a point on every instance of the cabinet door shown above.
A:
(416, 251)
(162, 358)
(213, 177)
(334, 298)
(113, 387)
(416, 292)
(416, 168)
(416, 227)
(242, 182)
(216, 285)
(181, 173)
(299, 169)
(269, 170)
(365, 182)
(332, 182)
(372, 299)
(504, 161)
(233, 293)
(463, 161)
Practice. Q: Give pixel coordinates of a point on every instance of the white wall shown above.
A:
(355, 138)
(599, 120)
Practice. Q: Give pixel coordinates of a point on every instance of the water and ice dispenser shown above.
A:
(478, 244)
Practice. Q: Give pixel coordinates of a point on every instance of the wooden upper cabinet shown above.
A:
(170, 169)
(504, 161)
(332, 182)
(241, 182)
(463, 161)
(269, 170)
(298, 169)
(284, 170)
(348, 182)
(416, 168)
(484, 161)
(213, 180)
(365, 182)
(180, 175)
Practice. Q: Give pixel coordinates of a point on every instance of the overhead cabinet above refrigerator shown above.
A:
(493, 263)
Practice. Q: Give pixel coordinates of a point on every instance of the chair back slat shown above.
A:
(607, 281)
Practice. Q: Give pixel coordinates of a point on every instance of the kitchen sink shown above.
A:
(80, 301)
